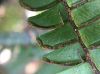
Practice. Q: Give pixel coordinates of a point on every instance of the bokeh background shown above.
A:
(19, 51)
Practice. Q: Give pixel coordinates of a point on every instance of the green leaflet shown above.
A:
(84, 68)
(50, 69)
(62, 11)
(86, 12)
(47, 19)
(71, 54)
(95, 55)
(58, 36)
(91, 34)
(37, 5)
(71, 2)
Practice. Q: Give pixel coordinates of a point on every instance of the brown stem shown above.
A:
(88, 58)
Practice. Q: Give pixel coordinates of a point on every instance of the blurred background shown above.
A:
(19, 52)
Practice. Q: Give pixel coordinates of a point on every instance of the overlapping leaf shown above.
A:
(71, 2)
(84, 68)
(37, 5)
(71, 54)
(95, 55)
(47, 19)
(91, 34)
(86, 18)
(61, 35)
(50, 69)
(86, 12)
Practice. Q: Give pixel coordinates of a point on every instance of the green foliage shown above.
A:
(91, 34)
(84, 68)
(95, 54)
(58, 36)
(71, 2)
(52, 20)
(37, 5)
(86, 12)
(51, 69)
(69, 39)
(71, 54)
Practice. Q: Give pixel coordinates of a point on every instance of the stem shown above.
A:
(88, 58)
